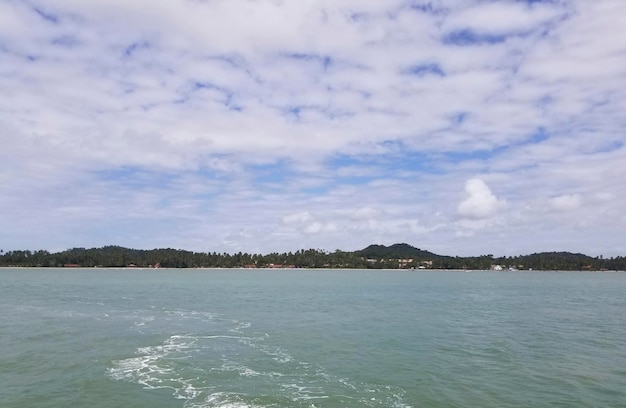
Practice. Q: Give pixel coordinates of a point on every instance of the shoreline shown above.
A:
(138, 268)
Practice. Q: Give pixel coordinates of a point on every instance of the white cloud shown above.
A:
(297, 218)
(503, 17)
(566, 202)
(480, 202)
(365, 213)
(316, 123)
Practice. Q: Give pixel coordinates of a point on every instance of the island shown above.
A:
(397, 256)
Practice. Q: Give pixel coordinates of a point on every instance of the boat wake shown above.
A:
(235, 367)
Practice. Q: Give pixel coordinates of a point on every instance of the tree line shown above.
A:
(397, 256)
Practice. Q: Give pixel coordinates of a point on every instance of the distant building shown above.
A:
(402, 263)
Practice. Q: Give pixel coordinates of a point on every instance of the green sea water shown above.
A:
(106, 338)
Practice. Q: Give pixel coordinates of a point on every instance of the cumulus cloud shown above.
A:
(480, 202)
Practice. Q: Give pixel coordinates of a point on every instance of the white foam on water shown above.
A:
(143, 321)
(220, 336)
(276, 353)
(189, 392)
(346, 383)
(190, 314)
(241, 326)
(202, 369)
(222, 400)
(245, 371)
(318, 384)
(301, 392)
(152, 370)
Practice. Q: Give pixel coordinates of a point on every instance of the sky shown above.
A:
(462, 127)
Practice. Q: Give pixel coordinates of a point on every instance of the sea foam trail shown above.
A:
(234, 367)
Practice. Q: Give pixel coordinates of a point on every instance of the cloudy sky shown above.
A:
(463, 127)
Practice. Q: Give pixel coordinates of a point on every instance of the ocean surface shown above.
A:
(107, 338)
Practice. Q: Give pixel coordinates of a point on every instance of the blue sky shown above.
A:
(463, 127)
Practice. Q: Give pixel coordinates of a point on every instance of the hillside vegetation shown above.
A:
(397, 256)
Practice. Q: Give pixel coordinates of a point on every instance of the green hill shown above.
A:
(395, 251)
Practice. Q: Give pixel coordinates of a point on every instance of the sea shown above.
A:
(204, 338)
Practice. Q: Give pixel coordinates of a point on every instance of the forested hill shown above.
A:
(397, 251)
(397, 256)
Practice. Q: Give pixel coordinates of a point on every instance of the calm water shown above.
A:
(311, 338)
